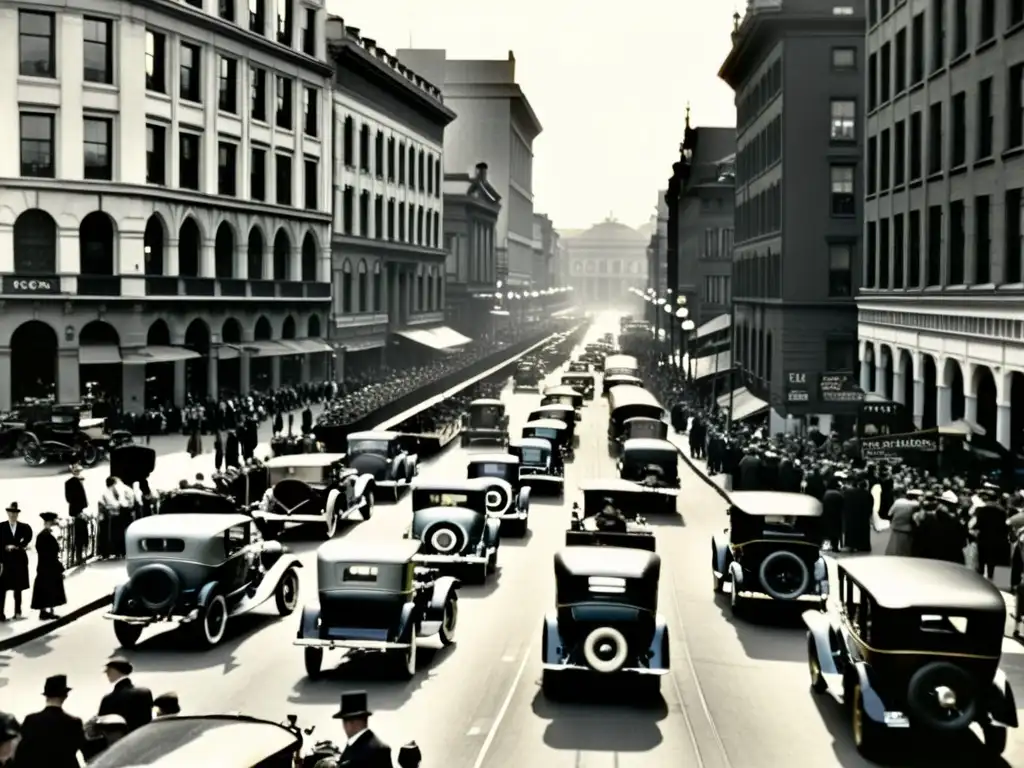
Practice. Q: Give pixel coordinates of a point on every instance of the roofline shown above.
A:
(535, 125)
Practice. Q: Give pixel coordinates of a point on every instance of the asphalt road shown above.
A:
(737, 697)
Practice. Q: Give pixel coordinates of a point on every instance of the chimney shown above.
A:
(481, 171)
(352, 32)
(370, 42)
(334, 28)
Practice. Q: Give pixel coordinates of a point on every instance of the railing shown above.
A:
(77, 541)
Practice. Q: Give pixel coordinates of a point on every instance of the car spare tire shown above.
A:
(498, 498)
(605, 650)
(942, 696)
(445, 538)
(156, 587)
(784, 576)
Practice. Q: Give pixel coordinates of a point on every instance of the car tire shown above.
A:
(143, 587)
(330, 527)
(923, 683)
(718, 580)
(406, 658)
(818, 684)
(127, 634)
(994, 737)
(286, 594)
(868, 736)
(367, 510)
(519, 528)
(90, 454)
(313, 658)
(212, 622)
(592, 650)
(784, 556)
(449, 621)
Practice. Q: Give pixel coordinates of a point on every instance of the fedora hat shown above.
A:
(119, 663)
(353, 706)
(56, 686)
(13, 507)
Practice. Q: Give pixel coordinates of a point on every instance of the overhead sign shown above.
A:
(839, 388)
(797, 390)
(31, 286)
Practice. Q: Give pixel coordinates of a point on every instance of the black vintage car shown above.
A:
(508, 497)
(562, 395)
(626, 499)
(913, 644)
(195, 501)
(541, 465)
(132, 463)
(626, 403)
(60, 433)
(528, 375)
(563, 413)
(654, 466)
(486, 422)
(771, 548)
(581, 382)
(644, 426)
(555, 432)
(382, 455)
(606, 621)
(579, 366)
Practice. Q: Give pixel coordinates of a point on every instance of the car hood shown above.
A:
(370, 463)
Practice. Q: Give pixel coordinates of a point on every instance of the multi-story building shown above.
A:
(606, 261)
(797, 211)
(169, 169)
(545, 246)
(657, 253)
(388, 256)
(940, 325)
(485, 93)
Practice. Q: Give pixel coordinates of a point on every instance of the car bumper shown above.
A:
(145, 621)
(513, 516)
(391, 483)
(452, 559)
(270, 517)
(623, 671)
(361, 645)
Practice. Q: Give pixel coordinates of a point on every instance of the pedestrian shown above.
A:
(10, 737)
(133, 703)
(195, 442)
(166, 704)
(48, 589)
(218, 452)
(78, 502)
(51, 737)
(364, 749)
(117, 506)
(232, 450)
(15, 538)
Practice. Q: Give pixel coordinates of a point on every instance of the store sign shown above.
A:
(839, 388)
(797, 390)
(31, 286)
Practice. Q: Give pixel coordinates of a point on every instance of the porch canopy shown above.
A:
(266, 348)
(308, 346)
(99, 354)
(715, 325)
(744, 404)
(157, 354)
(440, 338)
(711, 365)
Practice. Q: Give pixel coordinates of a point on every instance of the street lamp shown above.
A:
(688, 327)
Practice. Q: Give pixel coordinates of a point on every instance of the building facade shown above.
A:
(657, 249)
(606, 261)
(545, 250)
(170, 168)
(388, 255)
(496, 125)
(471, 208)
(939, 309)
(798, 215)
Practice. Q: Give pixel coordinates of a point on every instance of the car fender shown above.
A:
(523, 500)
(206, 593)
(1002, 703)
(873, 705)
(406, 623)
(659, 649)
(394, 467)
(121, 595)
(362, 483)
(330, 506)
(492, 531)
(444, 587)
(820, 576)
(309, 621)
(552, 646)
(720, 553)
(821, 632)
(414, 465)
(735, 571)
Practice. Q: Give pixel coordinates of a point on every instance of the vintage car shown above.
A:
(607, 619)
(578, 366)
(195, 501)
(61, 433)
(528, 375)
(374, 597)
(913, 644)
(626, 403)
(644, 426)
(382, 455)
(627, 499)
(555, 431)
(609, 382)
(654, 466)
(317, 488)
(508, 497)
(486, 421)
(562, 395)
(581, 382)
(246, 485)
(454, 524)
(772, 548)
(132, 463)
(563, 413)
(199, 570)
(621, 365)
(540, 465)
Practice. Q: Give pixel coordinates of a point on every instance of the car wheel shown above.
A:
(449, 621)
(520, 528)
(605, 650)
(367, 510)
(213, 621)
(718, 583)
(127, 634)
(818, 684)
(994, 737)
(407, 658)
(33, 453)
(286, 596)
(330, 527)
(867, 735)
(784, 575)
(90, 456)
(314, 661)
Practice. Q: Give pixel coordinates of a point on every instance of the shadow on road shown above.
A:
(612, 719)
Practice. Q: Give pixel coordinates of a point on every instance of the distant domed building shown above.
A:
(604, 262)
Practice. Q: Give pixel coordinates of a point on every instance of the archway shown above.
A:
(955, 380)
(224, 251)
(153, 245)
(33, 362)
(229, 361)
(35, 243)
(906, 366)
(159, 376)
(1016, 398)
(309, 258)
(99, 371)
(96, 244)
(260, 367)
(190, 243)
(930, 377)
(197, 370)
(291, 365)
(254, 253)
(885, 386)
(282, 255)
(984, 386)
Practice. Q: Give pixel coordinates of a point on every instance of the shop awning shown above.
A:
(145, 355)
(308, 346)
(450, 337)
(744, 404)
(710, 365)
(361, 345)
(422, 336)
(99, 354)
(267, 349)
(717, 325)
(228, 352)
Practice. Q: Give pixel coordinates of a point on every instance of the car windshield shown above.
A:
(546, 433)
(487, 417)
(368, 446)
(488, 469)
(534, 456)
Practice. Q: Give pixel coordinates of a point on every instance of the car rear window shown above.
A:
(491, 470)
(163, 545)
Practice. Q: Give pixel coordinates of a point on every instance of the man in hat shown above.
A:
(51, 737)
(989, 530)
(15, 538)
(134, 704)
(364, 749)
(78, 502)
(166, 704)
(10, 737)
(48, 589)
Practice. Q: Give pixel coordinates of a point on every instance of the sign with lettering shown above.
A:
(31, 286)
(839, 388)
(796, 387)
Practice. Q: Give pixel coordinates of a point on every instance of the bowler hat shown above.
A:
(353, 706)
(48, 517)
(13, 507)
(9, 727)
(168, 703)
(120, 663)
(56, 686)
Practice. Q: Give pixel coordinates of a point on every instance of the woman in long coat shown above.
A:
(48, 590)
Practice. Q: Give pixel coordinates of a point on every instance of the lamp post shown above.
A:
(682, 313)
(688, 327)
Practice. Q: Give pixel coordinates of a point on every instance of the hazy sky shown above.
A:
(610, 88)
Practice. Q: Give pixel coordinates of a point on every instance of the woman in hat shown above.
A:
(48, 590)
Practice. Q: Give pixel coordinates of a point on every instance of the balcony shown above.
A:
(228, 288)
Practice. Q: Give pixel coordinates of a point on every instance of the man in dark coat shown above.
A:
(133, 703)
(51, 737)
(48, 589)
(749, 473)
(278, 423)
(232, 451)
(990, 532)
(832, 511)
(364, 749)
(15, 538)
(307, 420)
(78, 502)
(858, 506)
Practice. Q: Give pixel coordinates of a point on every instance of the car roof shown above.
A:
(533, 442)
(621, 361)
(648, 444)
(493, 458)
(373, 435)
(621, 562)
(463, 484)
(547, 424)
(487, 401)
(552, 407)
(643, 418)
(610, 484)
(385, 551)
(764, 503)
(303, 460)
(622, 377)
(185, 525)
(917, 582)
(563, 390)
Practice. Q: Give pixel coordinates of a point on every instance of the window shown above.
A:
(840, 354)
(986, 119)
(401, 221)
(156, 62)
(97, 51)
(391, 218)
(190, 73)
(900, 64)
(1016, 12)
(37, 146)
(311, 183)
(378, 216)
(914, 251)
(916, 147)
(309, 32)
(438, 178)
(872, 179)
(391, 158)
(872, 81)
(420, 176)
(871, 256)
(349, 142)
(957, 243)
(885, 161)
(982, 239)
(935, 138)
(844, 58)
(227, 94)
(958, 143)
(311, 111)
(188, 161)
(917, 49)
(898, 252)
(987, 25)
(364, 213)
(401, 162)
(1015, 106)
(258, 174)
(258, 17)
(347, 212)
(226, 9)
(960, 41)
(258, 94)
(97, 135)
(933, 266)
(364, 148)
(156, 154)
(283, 178)
(840, 260)
(36, 51)
(1012, 230)
(899, 153)
(844, 120)
(227, 168)
(284, 22)
(938, 34)
(378, 154)
(885, 74)
(283, 117)
(843, 203)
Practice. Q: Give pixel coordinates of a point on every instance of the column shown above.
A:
(245, 376)
(899, 392)
(212, 378)
(306, 365)
(7, 249)
(275, 373)
(971, 408)
(68, 387)
(133, 388)
(207, 259)
(295, 265)
(171, 257)
(918, 399)
(242, 259)
(879, 377)
(1003, 424)
(179, 383)
(944, 409)
(5, 378)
